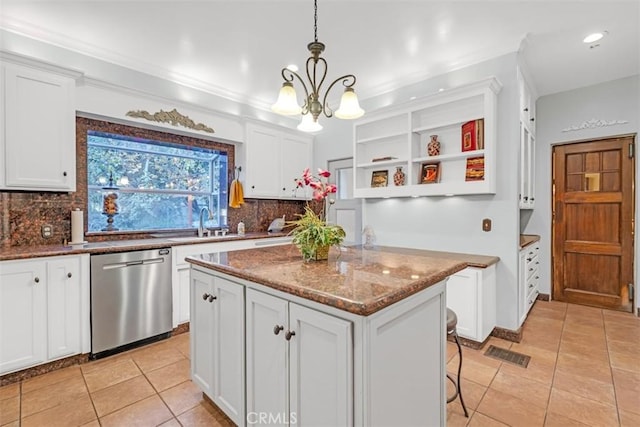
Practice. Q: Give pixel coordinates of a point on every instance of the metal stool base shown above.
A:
(456, 384)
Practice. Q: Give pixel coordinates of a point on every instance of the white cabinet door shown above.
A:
(39, 137)
(274, 159)
(201, 331)
(299, 363)
(228, 347)
(64, 307)
(296, 154)
(23, 311)
(321, 368)
(217, 345)
(462, 298)
(263, 162)
(267, 362)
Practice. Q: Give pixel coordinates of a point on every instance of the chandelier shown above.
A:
(287, 103)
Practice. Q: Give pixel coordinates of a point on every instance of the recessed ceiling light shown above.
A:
(412, 98)
(593, 37)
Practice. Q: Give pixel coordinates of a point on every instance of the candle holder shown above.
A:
(110, 204)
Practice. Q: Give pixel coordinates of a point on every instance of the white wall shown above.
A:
(453, 223)
(615, 100)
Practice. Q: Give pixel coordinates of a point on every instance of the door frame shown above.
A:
(635, 309)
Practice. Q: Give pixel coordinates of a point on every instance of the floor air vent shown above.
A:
(508, 356)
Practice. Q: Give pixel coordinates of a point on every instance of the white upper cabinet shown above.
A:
(463, 121)
(37, 145)
(274, 159)
(526, 198)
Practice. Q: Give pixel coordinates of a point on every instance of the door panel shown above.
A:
(593, 223)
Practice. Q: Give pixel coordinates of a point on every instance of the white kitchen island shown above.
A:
(355, 340)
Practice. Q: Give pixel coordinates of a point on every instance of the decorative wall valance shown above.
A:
(173, 117)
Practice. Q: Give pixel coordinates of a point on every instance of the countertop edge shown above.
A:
(528, 239)
(29, 252)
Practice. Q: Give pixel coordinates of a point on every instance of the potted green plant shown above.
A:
(311, 232)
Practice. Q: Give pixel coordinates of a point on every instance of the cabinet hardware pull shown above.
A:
(69, 275)
(531, 269)
(528, 259)
(537, 262)
(288, 335)
(277, 329)
(526, 198)
(533, 119)
(37, 280)
(205, 296)
(526, 109)
(64, 173)
(530, 285)
(253, 187)
(537, 277)
(284, 188)
(212, 297)
(532, 199)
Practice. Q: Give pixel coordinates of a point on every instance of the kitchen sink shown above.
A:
(200, 239)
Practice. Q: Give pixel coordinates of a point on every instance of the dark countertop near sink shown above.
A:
(477, 261)
(25, 252)
(354, 279)
(527, 239)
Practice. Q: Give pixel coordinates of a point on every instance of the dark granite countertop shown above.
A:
(25, 252)
(477, 261)
(356, 280)
(527, 239)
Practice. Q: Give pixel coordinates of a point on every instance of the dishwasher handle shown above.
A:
(133, 263)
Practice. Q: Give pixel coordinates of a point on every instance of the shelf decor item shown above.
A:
(433, 147)
(110, 204)
(398, 176)
(379, 178)
(475, 169)
(430, 173)
(311, 232)
(473, 135)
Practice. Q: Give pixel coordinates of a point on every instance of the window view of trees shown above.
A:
(159, 186)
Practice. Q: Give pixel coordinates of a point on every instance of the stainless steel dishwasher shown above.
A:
(130, 299)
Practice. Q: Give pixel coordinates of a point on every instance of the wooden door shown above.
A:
(593, 223)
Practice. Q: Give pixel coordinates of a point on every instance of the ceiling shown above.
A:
(236, 48)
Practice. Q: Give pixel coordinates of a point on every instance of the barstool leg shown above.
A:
(464, 407)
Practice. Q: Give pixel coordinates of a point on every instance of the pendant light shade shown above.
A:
(349, 105)
(308, 124)
(287, 103)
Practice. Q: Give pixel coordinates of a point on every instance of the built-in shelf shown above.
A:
(404, 131)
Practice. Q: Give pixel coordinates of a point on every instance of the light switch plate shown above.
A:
(46, 230)
(486, 224)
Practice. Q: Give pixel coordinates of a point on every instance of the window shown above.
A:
(160, 186)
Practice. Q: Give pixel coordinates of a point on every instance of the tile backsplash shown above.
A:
(22, 214)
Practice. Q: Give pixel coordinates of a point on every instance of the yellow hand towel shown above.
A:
(236, 196)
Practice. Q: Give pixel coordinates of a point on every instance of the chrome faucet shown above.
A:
(201, 224)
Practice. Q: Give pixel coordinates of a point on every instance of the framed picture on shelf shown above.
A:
(475, 169)
(430, 173)
(379, 178)
(473, 135)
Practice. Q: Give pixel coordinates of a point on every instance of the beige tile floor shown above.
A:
(583, 371)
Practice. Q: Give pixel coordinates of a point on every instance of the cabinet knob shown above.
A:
(212, 297)
(288, 335)
(205, 296)
(64, 173)
(69, 275)
(528, 259)
(530, 285)
(526, 109)
(253, 186)
(533, 119)
(526, 198)
(37, 280)
(537, 277)
(277, 329)
(284, 188)
(532, 199)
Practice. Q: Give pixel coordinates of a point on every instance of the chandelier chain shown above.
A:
(315, 20)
